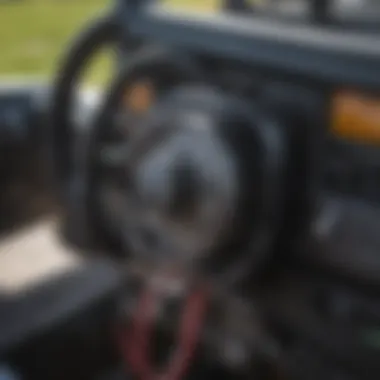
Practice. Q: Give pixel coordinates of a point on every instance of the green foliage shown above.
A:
(34, 33)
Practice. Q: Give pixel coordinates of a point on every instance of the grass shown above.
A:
(34, 33)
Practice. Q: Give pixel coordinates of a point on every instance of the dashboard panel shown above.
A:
(353, 170)
(343, 236)
(353, 146)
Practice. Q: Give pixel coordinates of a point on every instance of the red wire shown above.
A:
(135, 346)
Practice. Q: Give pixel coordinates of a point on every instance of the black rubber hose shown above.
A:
(102, 32)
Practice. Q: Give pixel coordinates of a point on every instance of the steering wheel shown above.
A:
(249, 133)
(80, 168)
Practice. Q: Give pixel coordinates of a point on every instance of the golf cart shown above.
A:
(224, 195)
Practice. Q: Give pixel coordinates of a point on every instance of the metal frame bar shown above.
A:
(324, 54)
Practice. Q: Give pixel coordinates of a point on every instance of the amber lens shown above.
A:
(356, 116)
(140, 97)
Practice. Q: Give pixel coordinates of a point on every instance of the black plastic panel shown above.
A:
(50, 304)
(344, 239)
(353, 170)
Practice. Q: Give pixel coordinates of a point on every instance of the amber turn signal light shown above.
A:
(140, 96)
(356, 117)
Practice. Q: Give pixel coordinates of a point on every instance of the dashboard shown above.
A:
(353, 170)
(343, 235)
